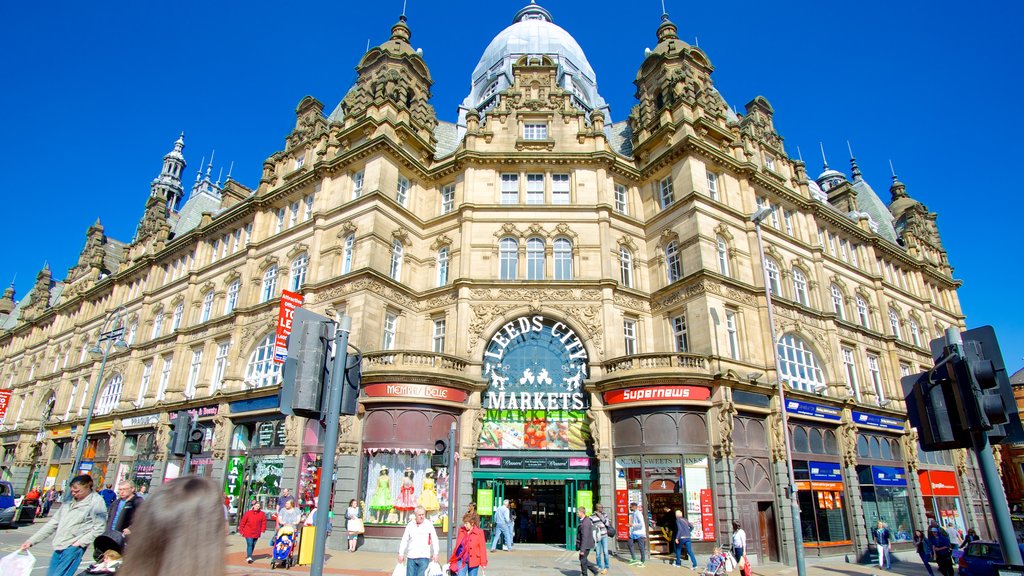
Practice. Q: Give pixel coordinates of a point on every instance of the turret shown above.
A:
(168, 184)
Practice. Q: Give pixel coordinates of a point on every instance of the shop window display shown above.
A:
(662, 484)
(822, 503)
(398, 481)
(884, 491)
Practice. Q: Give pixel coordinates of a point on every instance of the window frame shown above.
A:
(629, 336)
(402, 187)
(666, 192)
(561, 251)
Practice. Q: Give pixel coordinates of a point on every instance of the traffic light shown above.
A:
(996, 400)
(306, 367)
(179, 436)
(440, 457)
(350, 385)
(932, 410)
(195, 440)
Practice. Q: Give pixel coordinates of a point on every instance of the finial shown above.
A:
(799, 155)
(696, 41)
(823, 159)
(219, 174)
(855, 170)
(230, 169)
(199, 174)
(892, 170)
(664, 13)
(210, 165)
(403, 8)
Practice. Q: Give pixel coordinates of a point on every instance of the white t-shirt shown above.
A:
(739, 539)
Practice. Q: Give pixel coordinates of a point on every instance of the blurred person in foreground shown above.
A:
(180, 530)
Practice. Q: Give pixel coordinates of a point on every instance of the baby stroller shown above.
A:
(285, 543)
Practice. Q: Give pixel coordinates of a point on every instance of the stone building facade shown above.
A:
(582, 298)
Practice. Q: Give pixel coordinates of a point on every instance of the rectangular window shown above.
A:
(165, 378)
(390, 331)
(629, 336)
(560, 189)
(299, 161)
(307, 202)
(787, 217)
(844, 250)
(248, 234)
(713, 185)
(875, 372)
(207, 307)
(442, 266)
(679, 333)
(447, 198)
(216, 248)
(733, 332)
(535, 131)
(534, 188)
(853, 254)
(402, 191)
(821, 238)
(357, 184)
(232, 297)
(147, 374)
(769, 162)
(665, 192)
(775, 217)
(219, 365)
(850, 372)
(293, 213)
(832, 244)
(510, 189)
(279, 226)
(621, 197)
(193, 372)
(438, 341)
(905, 369)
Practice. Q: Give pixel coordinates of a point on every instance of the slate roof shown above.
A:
(869, 202)
(191, 214)
(448, 139)
(620, 138)
(1018, 378)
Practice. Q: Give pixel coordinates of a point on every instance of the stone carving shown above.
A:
(163, 437)
(292, 435)
(848, 441)
(590, 318)
(221, 433)
(699, 287)
(776, 441)
(595, 432)
(910, 456)
(368, 285)
(628, 301)
(960, 461)
(478, 425)
(483, 314)
(115, 442)
(726, 412)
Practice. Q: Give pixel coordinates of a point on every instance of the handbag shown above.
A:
(17, 563)
(434, 569)
(730, 563)
(355, 525)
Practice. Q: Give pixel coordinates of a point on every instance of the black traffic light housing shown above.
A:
(996, 401)
(440, 457)
(179, 436)
(350, 385)
(932, 409)
(306, 369)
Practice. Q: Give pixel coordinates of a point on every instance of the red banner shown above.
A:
(707, 514)
(289, 302)
(622, 515)
(938, 483)
(655, 393)
(415, 391)
(5, 400)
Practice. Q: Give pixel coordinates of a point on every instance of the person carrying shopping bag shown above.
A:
(470, 554)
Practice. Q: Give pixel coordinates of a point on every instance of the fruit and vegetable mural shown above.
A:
(535, 430)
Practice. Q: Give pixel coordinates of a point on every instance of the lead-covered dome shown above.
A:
(533, 32)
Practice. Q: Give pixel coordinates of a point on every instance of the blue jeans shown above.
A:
(641, 543)
(504, 531)
(250, 545)
(416, 566)
(65, 562)
(601, 551)
(688, 544)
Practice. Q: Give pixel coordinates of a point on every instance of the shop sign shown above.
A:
(143, 470)
(825, 471)
(878, 421)
(938, 483)
(235, 470)
(529, 463)
(585, 498)
(811, 409)
(655, 393)
(814, 485)
(485, 501)
(888, 476)
(5, 401)
(200, 412)
(535, 363)
(140, 421)
(254, 404)
(415, 391)
(62, 431)
(289, 302)
(652, 461)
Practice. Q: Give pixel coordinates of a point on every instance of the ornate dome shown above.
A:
(533, 32)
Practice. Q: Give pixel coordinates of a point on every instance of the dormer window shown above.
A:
(535, 131)
(769, 162)
(299, 161)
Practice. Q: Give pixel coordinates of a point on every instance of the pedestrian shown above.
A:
(637, 535)
(585, 542)
(419, 544)
(48, 498)
(883, 539)
(142, 491)
(282, 499)
(502, 526)
(120, 513)
(739, 541)
(470, 555)
(942, 549)
(353, 524)
(180, 530)
(924, 550)
(684, 539)
(75, 525)
(972, 536)
(252, 525)
(289, 515)
(667, 522)
(108, 495)
(600, 520)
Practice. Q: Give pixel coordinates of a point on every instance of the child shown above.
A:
(716, 562)
(108, 564)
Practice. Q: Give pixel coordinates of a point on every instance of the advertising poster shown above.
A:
(707, 516)
(534, 430)
(621, 515)
(485, 502)
(585, 498)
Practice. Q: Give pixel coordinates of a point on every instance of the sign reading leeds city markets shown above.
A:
(535, 368)
(289, 302)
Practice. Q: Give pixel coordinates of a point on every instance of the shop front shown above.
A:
(754, 486)
(941, 493)
(883, 481)
(256, 458)
(534, 448)
(138, 451)
(662, 460)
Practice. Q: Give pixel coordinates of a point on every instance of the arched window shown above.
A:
(48, 404)
(231, 302)
(298, 275)
(800, 440)
(207, 307)
(673, 264)
(886, 450)
(563, 259)
(534, 259)
(442, 266)
(772, 268)
(831, 444)
(397, 254)
(261, 370)
(346, 254)
(723, 255)
(837, 302)
(508, 256)
(179, 312)
(873, 448)
(800, 367)
(894, 324)
(626, 266)
(800, 286)
(862, 446)
(862, 312)
(269, 289)
(110, 395)
(816, 441)
(915, 332)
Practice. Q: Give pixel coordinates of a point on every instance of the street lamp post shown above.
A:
(798, 540)
(110, 337)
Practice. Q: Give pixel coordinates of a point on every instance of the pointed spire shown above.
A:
(855, 170)
(897, 189)
(199, 174)
(799, 154)
(823, 159)
(231, 168)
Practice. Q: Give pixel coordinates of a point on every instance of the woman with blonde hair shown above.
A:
(180, 530)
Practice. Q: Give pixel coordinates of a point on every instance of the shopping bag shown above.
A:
(17, 564)
(746, 569)
(399, 570)
(355, 526)
(730, 563)
(434, 569)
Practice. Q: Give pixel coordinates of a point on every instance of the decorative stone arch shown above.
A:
(780, 260)
(297, 250)
(843, 288)
(508, 230)
(860, 291)
(801, 265)
(267, 262)
(345, 229)
(442, 241)
(402, 235)
(723, 231)
(230, 278)
(562, 230)
(895, 306)
(498, 320)
(816, 342)
(628, 243)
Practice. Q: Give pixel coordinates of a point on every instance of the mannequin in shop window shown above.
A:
(428, 496)
(406, 501)
(381, 503)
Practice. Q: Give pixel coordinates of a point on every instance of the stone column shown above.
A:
(346, 484)
(222, 427)
(163, 439)
(720, 417)
(910, 456)
(780, 475)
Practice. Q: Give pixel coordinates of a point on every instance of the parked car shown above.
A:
(979, 558)
(8, 504)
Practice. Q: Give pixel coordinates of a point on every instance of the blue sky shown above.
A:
(97, 93)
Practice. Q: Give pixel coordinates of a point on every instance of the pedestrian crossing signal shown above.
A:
(195, 441)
